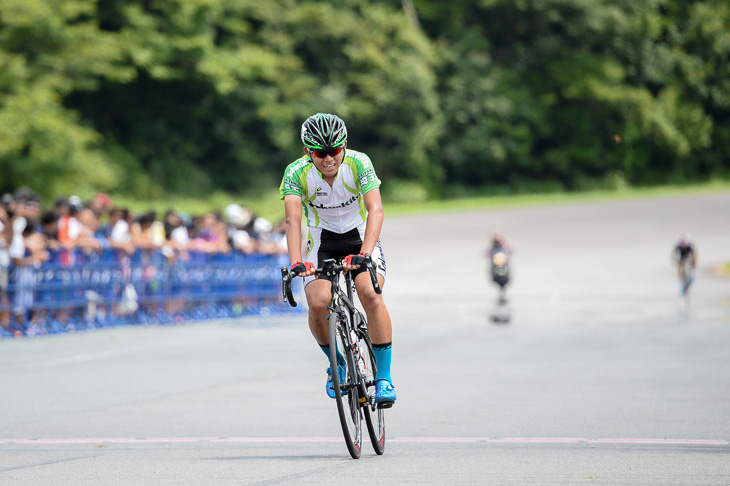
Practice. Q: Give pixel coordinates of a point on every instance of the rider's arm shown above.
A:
(293, 214)
(374, 205)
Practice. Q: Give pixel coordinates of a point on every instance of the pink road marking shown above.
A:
(420, 440)
(560, 440)
(663, 441)
(279, 439)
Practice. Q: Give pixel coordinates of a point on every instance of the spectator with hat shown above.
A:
(100, 203)
(238, 218)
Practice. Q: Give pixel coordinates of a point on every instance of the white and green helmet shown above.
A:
(323, 131)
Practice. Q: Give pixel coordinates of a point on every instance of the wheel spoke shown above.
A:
(374, 417)
(346, 394)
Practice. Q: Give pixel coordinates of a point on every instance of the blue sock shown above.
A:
(340, 357)
(382, 361)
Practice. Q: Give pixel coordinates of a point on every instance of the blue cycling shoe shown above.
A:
(329, 384)
(384, 394)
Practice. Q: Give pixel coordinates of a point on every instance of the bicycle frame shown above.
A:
(338, 296)
(331, 269)
(356, 395)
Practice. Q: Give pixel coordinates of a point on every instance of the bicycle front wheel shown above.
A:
(374, 416)
(346, 393)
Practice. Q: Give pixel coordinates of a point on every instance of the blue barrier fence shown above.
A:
(75, 290)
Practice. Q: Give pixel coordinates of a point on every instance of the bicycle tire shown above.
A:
(686, 274)
(346, 394)
(374, 416)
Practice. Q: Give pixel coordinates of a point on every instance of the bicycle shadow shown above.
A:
(501, 314)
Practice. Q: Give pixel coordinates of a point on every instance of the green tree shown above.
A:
(568, 90)
(697, 33)
(221, 88)
(49, 49)
(188, 96)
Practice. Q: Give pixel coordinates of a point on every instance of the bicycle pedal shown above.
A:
(385, 405)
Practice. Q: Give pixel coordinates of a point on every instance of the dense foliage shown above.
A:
(152, 97)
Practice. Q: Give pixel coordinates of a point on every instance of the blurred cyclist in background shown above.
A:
(683, 250)
(684, 255)
(338, 191)
(498, 245)
(498, 255)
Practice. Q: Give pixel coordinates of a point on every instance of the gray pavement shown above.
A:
(602, 375)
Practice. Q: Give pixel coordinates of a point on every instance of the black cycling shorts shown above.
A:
(324, 244)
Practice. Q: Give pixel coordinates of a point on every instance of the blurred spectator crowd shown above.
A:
(29, 233)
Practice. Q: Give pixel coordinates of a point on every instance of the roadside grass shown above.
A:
(473, 203)
(722, 270)
(268, 204)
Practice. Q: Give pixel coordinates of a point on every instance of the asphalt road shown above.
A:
(602, 375)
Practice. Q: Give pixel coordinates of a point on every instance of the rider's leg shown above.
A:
(379, 324)
(318, 296)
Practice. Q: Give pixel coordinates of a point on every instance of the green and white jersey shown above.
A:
(339, 208)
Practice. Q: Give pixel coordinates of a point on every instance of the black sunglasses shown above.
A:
(322, 153)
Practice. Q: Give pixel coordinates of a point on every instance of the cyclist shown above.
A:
(498, 255)
(338, 191)
(683, 250)
(498, 245)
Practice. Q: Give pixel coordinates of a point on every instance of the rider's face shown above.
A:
(330, 163)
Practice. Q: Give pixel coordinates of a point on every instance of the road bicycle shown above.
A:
(500, 271)
(348, 333)
(685, 277)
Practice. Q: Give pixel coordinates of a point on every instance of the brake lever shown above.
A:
(373, 274)
(286, 278)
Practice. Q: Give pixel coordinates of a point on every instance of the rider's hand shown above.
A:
(305, 269)
(353, 262)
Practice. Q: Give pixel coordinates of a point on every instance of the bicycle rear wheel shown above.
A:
(346, 394)
(374, 416)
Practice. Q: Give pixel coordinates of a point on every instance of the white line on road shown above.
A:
(422, 440)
